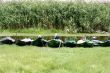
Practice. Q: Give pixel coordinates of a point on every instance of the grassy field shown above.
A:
(29, 59)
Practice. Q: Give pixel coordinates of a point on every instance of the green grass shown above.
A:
(30, 32)
(50, 32)
(29, 59)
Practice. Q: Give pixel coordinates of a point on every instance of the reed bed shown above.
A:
(70, 16)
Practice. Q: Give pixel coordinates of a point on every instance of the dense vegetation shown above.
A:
(76, 17)
(28, 59)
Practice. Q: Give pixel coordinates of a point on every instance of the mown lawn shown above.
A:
(29, 59)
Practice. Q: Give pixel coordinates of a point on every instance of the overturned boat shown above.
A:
(23, 42)
(69, 43)
(96, 42)
(40, 42)
(56, 42)
(85, 43)
(106, 43)
(7, 40)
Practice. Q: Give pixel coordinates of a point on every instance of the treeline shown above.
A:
(74, 17)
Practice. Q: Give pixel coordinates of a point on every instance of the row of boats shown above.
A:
(56, 42)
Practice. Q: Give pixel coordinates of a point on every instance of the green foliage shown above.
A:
(77, 17)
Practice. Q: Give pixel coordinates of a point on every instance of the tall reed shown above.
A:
(77, 17)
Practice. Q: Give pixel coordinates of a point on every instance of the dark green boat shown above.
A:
(55, 43)
(70, 43)
(105, 43)
(40, 42)
(85, 43)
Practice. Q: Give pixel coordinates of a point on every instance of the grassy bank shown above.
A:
(28, 59)
(49, 32)
(77, 17)
(52, 34)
